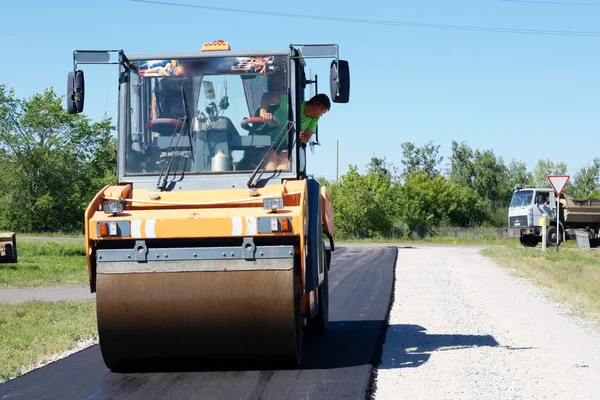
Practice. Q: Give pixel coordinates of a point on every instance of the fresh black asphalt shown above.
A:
(338, 364)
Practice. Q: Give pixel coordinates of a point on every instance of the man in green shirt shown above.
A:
(311, 111)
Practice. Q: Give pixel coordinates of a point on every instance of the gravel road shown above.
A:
(463, 328)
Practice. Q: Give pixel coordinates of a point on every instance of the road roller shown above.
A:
(214, 245)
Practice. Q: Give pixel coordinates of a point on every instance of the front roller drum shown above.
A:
(199, 316)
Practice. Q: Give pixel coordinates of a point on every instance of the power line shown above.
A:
(563, 3)
(383, 22)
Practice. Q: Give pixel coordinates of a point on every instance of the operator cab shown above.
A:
(194, 119)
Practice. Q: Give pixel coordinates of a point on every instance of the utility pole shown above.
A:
(337, 159)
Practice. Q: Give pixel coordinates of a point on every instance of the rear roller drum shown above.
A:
(247, 316)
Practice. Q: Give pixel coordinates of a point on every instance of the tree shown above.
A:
(518, 174)
(586, 183)
(420, 159)
(491, 178)
(485, 173)
(547, 167)
(365, 205)
(462, 170)
(53, 162)
(427, 203)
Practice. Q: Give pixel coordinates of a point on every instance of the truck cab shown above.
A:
(527, 207)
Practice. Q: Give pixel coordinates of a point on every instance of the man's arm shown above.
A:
(308, 129)
(305, 135)
(265, 101)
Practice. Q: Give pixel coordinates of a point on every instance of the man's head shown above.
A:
(317, 105)
(276, 82)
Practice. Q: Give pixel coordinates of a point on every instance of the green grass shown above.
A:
(51, 235)
(572, 274)
(465, 239)
(32, 332)
(46, 264)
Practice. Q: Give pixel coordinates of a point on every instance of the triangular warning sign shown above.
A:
(559, 182)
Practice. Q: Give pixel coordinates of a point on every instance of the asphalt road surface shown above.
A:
(336, 365)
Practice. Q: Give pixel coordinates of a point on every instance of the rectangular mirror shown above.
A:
(339, 81)
(324, 51)
(92, 57)
(75, 92)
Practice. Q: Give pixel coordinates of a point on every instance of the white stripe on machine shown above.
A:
(150, 231)
(251, 226)
(236, 226)
(136, 228)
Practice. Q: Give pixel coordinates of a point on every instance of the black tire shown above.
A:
(551, 236)
(529, 242)
(320, 322)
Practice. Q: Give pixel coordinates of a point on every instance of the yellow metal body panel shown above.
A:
(198, 214)
(142, 198)
(196, 222)
(92, 208)
(118, 192)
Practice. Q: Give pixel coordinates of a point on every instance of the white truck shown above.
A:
(528, 205)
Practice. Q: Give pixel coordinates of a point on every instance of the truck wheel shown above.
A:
(552, 237)
(529, 241)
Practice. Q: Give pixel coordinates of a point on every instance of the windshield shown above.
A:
(522, 198)
(199, 116)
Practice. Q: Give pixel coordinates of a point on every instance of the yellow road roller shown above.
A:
(215, 244)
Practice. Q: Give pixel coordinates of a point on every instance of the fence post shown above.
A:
(544, 222)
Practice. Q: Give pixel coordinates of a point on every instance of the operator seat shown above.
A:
(169, 104)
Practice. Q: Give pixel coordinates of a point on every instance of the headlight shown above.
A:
(112, 207)
(273, 203)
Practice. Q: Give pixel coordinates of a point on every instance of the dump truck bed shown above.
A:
(581, 211)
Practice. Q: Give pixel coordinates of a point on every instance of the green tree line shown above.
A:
(53, 163)
(473, 190)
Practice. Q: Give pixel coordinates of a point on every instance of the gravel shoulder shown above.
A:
(462, 327)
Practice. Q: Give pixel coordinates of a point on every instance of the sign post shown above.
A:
(558, 182)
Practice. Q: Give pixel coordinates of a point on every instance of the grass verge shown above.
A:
(474, 240)
(46, 264)
(572, 274)
(33, 333)
(51, 235)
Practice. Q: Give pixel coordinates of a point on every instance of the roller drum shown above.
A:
(199, 315)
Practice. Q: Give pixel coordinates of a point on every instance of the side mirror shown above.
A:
(339, 81)
(75, 92)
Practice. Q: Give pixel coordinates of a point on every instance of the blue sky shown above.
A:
(524, 96)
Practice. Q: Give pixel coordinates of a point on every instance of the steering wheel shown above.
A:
(256, 124)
